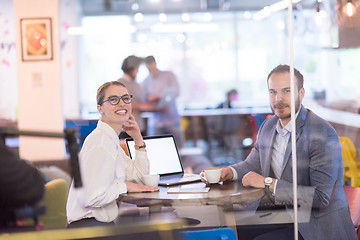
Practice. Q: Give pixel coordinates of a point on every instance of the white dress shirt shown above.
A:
(279, 147)
(104, 168)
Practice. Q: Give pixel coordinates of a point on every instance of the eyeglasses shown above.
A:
(114, 100)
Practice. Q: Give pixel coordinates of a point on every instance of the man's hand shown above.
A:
(226, 174)
(252, 179)
(134, 187)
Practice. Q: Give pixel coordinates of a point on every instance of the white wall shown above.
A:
(68, 17)
(39, 86)
(8, 75)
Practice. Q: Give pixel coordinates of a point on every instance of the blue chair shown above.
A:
(209, 234)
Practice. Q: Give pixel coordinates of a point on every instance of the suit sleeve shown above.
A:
(252, 161)
(324, 167)
(20, 183)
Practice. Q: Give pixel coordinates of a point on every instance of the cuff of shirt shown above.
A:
(140, 154)
(235, 175)
(275, 186)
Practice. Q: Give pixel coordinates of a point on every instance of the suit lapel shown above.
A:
(266, 163)
(300, 121)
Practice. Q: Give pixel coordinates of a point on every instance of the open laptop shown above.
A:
(164, 160)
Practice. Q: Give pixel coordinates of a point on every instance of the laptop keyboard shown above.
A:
(180, 178)
(171, 177)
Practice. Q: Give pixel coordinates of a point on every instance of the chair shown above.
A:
(54, 201)
(350, 170)
(56, 192)
(184, 123)
(353, 199)
(123, 146)
(223, 141)
(209, 234)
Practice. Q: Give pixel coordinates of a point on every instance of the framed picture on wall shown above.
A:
(36, 39)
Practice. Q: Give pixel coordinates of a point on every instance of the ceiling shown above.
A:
(120, 7)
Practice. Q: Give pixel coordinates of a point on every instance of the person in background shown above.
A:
(21, 185)
(162, 88)
(319, 163)
(231, 96)
(107, 172)
(130, 67)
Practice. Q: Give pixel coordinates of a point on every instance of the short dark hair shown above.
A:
(286, 68)
(149, 59)
(130, 63)
(101, 91)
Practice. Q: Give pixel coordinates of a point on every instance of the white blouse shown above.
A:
(104, 168)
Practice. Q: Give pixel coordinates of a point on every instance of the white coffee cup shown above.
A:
(151, 180)
(211, 175)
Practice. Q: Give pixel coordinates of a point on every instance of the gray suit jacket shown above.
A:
(319, 166)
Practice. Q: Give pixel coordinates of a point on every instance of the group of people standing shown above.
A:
(157, 94)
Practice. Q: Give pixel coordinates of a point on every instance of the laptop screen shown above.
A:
(162, 153)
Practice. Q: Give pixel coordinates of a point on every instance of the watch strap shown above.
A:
(140, 147)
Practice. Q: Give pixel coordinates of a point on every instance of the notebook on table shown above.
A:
(164, 160)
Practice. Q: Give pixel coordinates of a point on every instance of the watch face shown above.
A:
(268, 180)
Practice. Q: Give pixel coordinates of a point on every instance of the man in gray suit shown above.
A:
(319, 163)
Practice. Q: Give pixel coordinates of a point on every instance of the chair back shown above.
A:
(209, 234)
(56, 193)
(348, 153)
(123, 146)
(353, 199)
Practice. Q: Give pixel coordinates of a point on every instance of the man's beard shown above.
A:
(297, 107)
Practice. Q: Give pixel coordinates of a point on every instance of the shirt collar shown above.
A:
(287, 129)
(108, 130)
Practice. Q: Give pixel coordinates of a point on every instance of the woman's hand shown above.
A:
(132, 128)
(134, 187)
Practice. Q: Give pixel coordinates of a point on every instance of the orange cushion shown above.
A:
(353, 199)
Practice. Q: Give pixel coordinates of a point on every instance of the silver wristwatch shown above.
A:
(268, 181)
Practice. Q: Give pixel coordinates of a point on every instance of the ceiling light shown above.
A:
(247, 15)
(180, 38)
(185, 17)
(162, 17)
(190, 27)
(97, 31)
(348, 14)
(266, 11)
(349, 9)
(207, 17)
(142, 38)
(138, 17)
(280, 25)
(135, 6)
